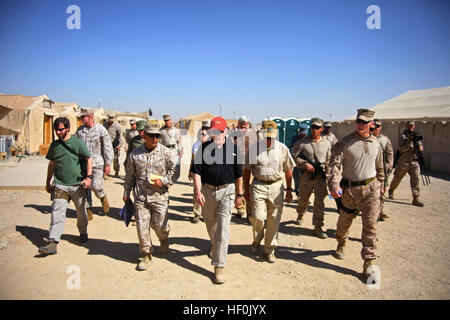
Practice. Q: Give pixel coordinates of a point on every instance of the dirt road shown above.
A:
(414, 250)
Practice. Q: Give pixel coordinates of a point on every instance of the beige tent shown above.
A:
(427, 105)
(70, 111)
(194, 121)
(29, 119)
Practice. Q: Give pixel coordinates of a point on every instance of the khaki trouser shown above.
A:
(319, 187)
(413, 169)
(116, 164)
(367, 199)
(59, 208)
(217, 216)
(268, 200)
(151, 214)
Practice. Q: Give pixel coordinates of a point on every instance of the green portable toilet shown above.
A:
(305, 124)
(281, 128)
(291, 130)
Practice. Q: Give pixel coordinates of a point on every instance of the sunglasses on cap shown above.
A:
(153, 135)
(362, 121)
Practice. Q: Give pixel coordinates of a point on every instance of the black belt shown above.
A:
(357, 183)
(217, 187)
(266, 182)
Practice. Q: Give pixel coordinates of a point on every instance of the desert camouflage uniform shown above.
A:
(98, 142)
(130, 134)
(171, 138)
(407, 163)
(356, 159)
(331, 138)
(151, 203)
(388, 159)
(322, 150)
(115, 133)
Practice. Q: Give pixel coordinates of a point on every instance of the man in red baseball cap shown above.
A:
(217, 175)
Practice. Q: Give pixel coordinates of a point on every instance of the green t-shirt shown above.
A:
(67, 164)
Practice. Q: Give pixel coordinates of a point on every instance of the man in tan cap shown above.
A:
(130, 133)
(328, 135)
(356, 178)
(269, 162)
(171, 138)
(408, 162)
(115, 132)
(98, 142)
(312, 155)
(388, 159)
(149, 173)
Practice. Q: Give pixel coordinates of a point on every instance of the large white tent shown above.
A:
(428, 104)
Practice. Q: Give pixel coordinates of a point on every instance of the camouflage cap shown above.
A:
(85, 112)
(327, 124)
(205, 123)
(111, 115)
(365, 115)
(410, 123)
(316, 122)
(243, 119)
(166, 117)
(152, 130)
(132, 121)
(141, 124)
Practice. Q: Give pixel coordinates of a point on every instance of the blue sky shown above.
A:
(258, 58)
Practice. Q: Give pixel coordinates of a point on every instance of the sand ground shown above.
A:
(414, 252)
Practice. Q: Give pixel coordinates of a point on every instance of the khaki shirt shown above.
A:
(270, 164)
(331, 138)
(141, 163)
(171, 136)
(98, 142)
(308, 147)
(388, 151)
(115, 132)
(355, 159)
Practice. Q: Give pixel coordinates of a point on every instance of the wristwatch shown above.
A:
(240, 195)
(90, 176)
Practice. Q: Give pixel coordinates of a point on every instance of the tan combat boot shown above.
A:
(340, 251)
(368, 272)
(270, 258)
(299, 220)
(144, 262)
(391, 194)
(105, 205)
(219, 276)
(164, 245)
(416, 202)
(383, 216)
(50, 248)
(319, 233)
(89, 214)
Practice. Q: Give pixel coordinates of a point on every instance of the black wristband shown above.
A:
(288, 189)
(240, 195)
(90, 176)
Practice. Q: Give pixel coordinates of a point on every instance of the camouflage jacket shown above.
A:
(115, 133)
(130, 134)
(143, 162)
(98, 142)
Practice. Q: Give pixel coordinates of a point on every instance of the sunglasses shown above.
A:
(362, 121)
(316, 127)
(153, 136)
(60, 129)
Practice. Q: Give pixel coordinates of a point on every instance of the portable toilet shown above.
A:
(281, 128)
(291, 130)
